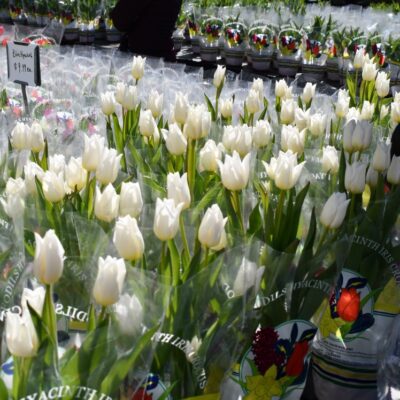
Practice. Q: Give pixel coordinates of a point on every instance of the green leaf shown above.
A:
(166, 394)
(210, 108)
(255, 221)
(175, 262)
(209, 197)
(3, 390)
(342, 172)
(125, 364)
(151, 182)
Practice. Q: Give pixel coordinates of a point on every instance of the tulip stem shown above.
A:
(352, 205)
(163, 258)
(102, 313)
(236, 206)
(191, 164)
(50, 320)
(186, 256)
(279, 213)
(356, 87)
(206, 255)
(322, 239)
(22, 368)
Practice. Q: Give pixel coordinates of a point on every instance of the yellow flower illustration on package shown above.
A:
(264, 387)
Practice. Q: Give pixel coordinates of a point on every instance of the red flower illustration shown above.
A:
(295, 365)
(142, 395)
(348, 306)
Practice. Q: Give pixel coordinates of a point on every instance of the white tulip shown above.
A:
(109, 281)
(309, 92)
(292, 139)
(107, 103)
(36, 139)
(119, 94)
(281, 88)
(212, 227)
(393, 174)
(209, 155)
(253, 103)
(21, 337)
(342, 105)
(130, 202)
(155, 103)
(48, 264)
(229, 137)
(109, 166)
(284, 170)
(301, 118)
(258, 86)
(248, 276)
(367, 111)
(355, 177)
(235, 172)
(166, 219)
(396, 98)
(192, 348)
(20, 136)
(348, 132)
(242, 141)
(32, 170)
(15, 187)
(382, 84)
(369, 71)
(129, 313)
(181, 108)
(381, 158)
(106, 204)
(359, 59)
(53, 186)
(219, 76)
(92, 155)
(372, 177)
(262, 134)
(198, 122)
(130, 99)
(384, 112)
(289, 94)
(128, 239)
(334, 211)
(287, 111)
(362, 136)
(35, 299)
(354, 113)
(222, 243)
(226, 108)
(395, 112)
(138, 67)
(75, 174)
(175, 141)
(178, 189)
(147, 124)
(57, 164)
(330, 160)
(318, 125)
(14, 206)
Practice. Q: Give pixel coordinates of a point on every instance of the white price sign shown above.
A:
(23, 61)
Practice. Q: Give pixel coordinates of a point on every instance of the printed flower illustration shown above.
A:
(264, 387)
(348, 306)
(141, 394)
(295, 364)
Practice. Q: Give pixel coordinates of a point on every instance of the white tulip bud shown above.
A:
(178, 189)
(262, 134)
(53, 186)
(166, 219)
(109, 281)
(342, 105)
(292, 139)
(212, 227)
(330, 160)
(75, 174)
(32, 170)
(242, 140)
(235, 172)
(362, 136)
(36, 139)
(92, 156)
(355, 177)
(367, 111)
(318, 125)
(226, 108)
(309, 92)
(354, 113)
(382, 84)
(369, 71)
(219, 76)
(393, 174)
(48, 264)
(120, 92)
(381, 159)
(21, 337)
(16, 187)
(138, 67)
(284, 170)
(334, 211)
(106, 204)
(301, 118)
(372, 177)
(209, 155)
(248, 276)
(14, 206)
(384, 112)
(155, 103)
(348, 132)
(198, 123)
(359, 59)
(35, 299)
(258, 86)
(130, 99)
(131, 202)
(175, 140)
(253, 103)
(181, 108)
(287, 111)
(20, 137)
(147, 124)
(129, 313)
(57, 164)
(107, 103)
(281, 88)
(128, 239)
(109, 166)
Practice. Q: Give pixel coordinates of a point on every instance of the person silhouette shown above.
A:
(148, 26)
(395, 147)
